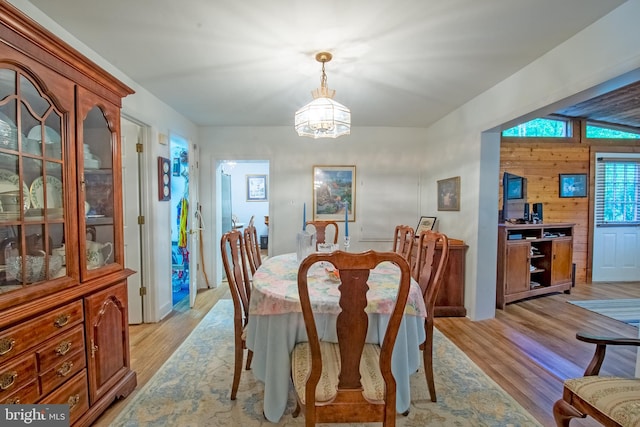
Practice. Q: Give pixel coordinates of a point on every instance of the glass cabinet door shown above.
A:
(99, 201)
(32, 184)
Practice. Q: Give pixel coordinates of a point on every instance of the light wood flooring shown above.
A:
(528, 349)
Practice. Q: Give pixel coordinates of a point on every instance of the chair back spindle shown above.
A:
(403, 241)
(252, 248)
(321, 231)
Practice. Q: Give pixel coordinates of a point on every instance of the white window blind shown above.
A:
(617, 191)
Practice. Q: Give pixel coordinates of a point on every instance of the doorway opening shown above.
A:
(242, 197)
(179, 149)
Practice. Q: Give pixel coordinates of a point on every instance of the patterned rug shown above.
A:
(193, 387)
(624, 310)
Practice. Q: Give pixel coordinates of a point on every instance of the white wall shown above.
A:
(580, 68)
(242, 208)
(388, 163)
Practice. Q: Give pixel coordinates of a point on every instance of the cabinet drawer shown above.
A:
(60, 347)
(17, 374)
(27, 394)
(15, 340)
(74, 394)
(61, 372)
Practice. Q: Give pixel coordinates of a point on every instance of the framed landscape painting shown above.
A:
(334, 190)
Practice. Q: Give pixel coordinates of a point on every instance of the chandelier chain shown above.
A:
(323, 79)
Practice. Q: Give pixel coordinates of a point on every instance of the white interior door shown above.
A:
(616, 234)
(194, 223)
(131, 135)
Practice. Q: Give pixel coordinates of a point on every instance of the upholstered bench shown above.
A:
(612, 401)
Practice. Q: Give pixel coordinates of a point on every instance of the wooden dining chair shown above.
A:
(348, 381)
(235, 267)
(428, 271)
(403, 241)
(612, 401)
(252, 248)
(321, 230)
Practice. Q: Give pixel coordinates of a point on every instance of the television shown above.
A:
(513, 189)
(514, 197)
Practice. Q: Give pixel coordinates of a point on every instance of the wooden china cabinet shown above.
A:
(63, 285)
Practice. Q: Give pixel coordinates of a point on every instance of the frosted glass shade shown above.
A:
(323, 118)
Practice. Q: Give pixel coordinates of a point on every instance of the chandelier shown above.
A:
(323, 117)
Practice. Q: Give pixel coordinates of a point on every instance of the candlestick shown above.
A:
(347, 240)
(346, 219)
(304, 217)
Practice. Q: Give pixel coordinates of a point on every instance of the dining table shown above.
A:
(276, 324)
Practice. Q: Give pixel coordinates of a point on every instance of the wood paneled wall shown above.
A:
(541, 161)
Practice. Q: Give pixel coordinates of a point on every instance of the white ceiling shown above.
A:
(251, 62)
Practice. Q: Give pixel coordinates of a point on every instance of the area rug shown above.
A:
(193, 386)
(624, 310)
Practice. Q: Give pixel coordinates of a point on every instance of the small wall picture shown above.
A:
(573, 185)
(256, 188)
(449, 194)
(425, 223)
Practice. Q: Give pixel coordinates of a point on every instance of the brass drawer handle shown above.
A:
(6, 345)
(8, 379)
(65, 369)
(73, 400)
(62, 320)
(94, 348)
(15, 401)
(63, 348)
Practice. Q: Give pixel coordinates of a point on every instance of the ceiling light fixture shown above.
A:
(323, 117)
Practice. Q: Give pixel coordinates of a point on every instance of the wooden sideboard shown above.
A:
(533, 259)
(450, 300)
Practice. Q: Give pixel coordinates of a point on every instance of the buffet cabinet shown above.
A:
(63, 284)
(533, 259)
(450, 298)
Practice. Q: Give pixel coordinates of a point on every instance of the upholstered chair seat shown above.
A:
(372, 381)
(617, 397)
(612, 401)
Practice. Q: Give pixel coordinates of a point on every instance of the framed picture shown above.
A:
(573, 185)
(334, 190)
(425, 223)
(256, 188)
(449, 194)
(164, 179)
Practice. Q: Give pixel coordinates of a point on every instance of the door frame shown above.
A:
(143, 205)
(194, 223)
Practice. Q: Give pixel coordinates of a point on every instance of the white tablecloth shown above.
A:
(272, 337)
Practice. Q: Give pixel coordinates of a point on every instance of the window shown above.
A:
(541, 128)
(594, 131)
(617, 192)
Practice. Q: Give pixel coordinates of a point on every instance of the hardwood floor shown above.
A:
(528, 349)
